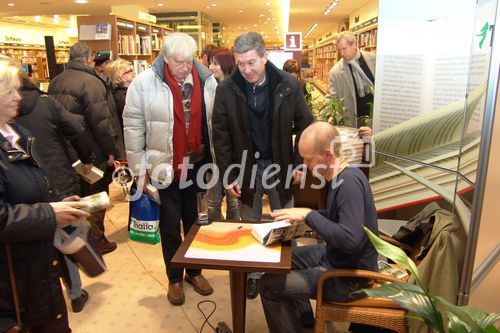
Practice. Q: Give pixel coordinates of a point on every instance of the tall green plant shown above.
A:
(421, 304)
(333, 111)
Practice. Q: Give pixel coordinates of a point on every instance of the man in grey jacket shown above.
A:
(166, 139)
(352, 78)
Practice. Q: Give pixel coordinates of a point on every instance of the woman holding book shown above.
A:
(29, 212)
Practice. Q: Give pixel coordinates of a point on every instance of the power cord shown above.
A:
(205, 316)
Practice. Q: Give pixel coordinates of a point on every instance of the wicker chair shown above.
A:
(378, 312)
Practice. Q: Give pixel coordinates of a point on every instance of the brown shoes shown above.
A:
(200, 284)
(175, 293)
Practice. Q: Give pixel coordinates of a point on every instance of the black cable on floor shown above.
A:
(205, 316)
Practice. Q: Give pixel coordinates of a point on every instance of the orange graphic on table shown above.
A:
(225, 240)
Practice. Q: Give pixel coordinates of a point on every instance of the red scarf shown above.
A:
(191, 142)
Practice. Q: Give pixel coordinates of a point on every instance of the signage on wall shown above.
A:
(293, 41)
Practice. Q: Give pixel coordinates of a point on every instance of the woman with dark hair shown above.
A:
(292, 66)
(30, 210)
(221, 64)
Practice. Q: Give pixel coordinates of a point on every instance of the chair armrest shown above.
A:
(355, 273)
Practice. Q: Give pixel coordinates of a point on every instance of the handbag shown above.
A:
(144, 220)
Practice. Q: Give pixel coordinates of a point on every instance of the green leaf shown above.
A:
(455, 325)
(395, 254)
(412, 298)
(477, 320)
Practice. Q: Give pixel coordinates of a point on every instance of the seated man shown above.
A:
(350, 207)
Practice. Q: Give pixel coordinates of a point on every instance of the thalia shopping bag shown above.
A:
(144, 220)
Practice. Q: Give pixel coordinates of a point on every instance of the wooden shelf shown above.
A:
(135, 40)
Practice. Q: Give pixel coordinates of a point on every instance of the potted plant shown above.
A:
(421, 304)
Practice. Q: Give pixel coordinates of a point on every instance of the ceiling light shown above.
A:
(37, 18)
(11, 4)
(330, 7)
(81, 2)
(267, 3)
(56, 19)
(208, 7)
(214, 5)
(270, 10)
(240, 11)
(314, 26)
(160, 4)
(255, 25)
(261, 15)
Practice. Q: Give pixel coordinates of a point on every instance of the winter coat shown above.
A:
(51, 124)
(119, 95)
(27, 223)
(341, 85)
(82, 92)
(232, 136)
(148, 120)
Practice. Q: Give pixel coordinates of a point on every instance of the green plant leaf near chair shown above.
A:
(424, 306)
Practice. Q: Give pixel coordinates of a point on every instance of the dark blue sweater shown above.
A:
(260, 120)
(350, 206)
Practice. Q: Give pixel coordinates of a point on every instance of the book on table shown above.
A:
(94, 175)
(277, 232)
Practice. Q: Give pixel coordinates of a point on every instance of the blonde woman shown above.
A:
(29, 213)
(121, 73)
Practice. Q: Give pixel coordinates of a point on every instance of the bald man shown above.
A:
(350, 207)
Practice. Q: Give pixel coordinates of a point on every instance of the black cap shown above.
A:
(101, 59)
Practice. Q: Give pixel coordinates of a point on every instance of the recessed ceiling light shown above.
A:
(81, 2)
(240, 11)
(267, 4)
(160, 4)
(270, 10)
(37, 18)
(261, 15)
(214, 5)
(208, 7)
(11, 4)
(255, 25)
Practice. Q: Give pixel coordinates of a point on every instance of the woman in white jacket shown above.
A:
(167, 141)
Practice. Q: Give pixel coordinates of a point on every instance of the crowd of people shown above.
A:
(230, 106)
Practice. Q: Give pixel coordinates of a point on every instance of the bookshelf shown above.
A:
(32, 57)
(134, 40)
(367, 35)
(326, 57)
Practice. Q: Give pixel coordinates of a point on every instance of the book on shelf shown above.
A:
(389, 269)
(94, 175)
(277, 232)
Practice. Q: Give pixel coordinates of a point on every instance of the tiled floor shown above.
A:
(131, 295)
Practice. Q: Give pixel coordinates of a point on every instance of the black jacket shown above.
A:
(81, 91)
(120, 95)
(51, 124)
(27, 223)
(232, 132)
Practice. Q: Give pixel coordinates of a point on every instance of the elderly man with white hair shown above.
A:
(165, 127)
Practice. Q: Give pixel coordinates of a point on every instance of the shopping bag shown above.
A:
(144, 220)
(77, 243)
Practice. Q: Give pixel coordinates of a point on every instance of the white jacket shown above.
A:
(148, 121)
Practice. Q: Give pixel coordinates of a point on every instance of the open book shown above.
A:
(388, 269)
(277, 232)
(433, 138)
(94, 175)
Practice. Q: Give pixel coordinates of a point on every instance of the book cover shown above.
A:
(96, 202)
(385, 268)
(94, 175)
(277, 232)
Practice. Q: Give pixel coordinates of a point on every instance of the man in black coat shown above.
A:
(257, 110)
(83, 92)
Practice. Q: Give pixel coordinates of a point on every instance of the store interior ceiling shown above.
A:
(269, 17)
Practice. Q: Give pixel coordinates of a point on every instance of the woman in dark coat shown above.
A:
(120, 73)
(29, 214)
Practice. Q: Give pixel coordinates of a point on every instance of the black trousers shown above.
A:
(177, 204)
